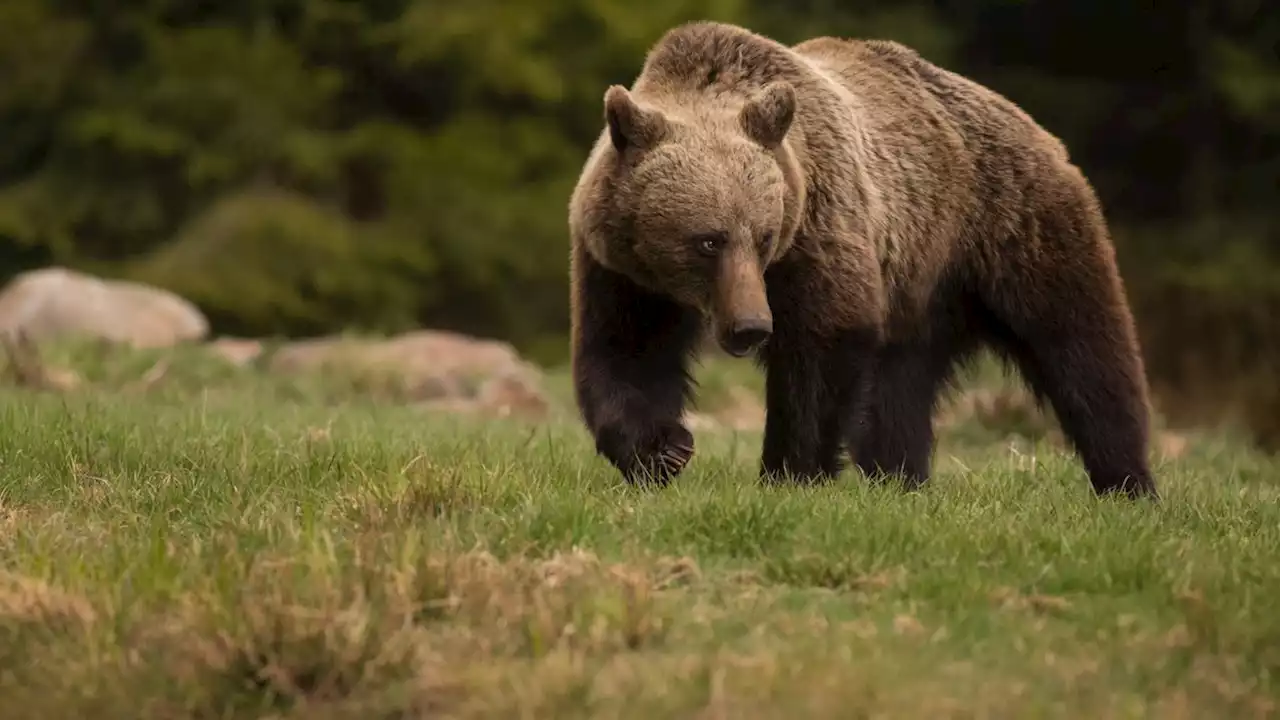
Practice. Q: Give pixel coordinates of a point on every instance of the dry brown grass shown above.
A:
(402, 628)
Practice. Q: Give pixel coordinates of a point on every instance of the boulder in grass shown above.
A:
(437, 369)
(54, 303)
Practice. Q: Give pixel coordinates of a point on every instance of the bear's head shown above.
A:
(702, 200)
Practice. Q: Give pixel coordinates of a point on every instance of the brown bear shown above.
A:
(863, 222)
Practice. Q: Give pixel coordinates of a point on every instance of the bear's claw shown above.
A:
(656, 455)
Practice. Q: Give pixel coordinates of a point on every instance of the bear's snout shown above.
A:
(746, 334)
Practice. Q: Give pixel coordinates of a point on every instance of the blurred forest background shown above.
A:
(298, 167)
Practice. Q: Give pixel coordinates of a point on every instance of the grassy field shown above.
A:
(259, 548)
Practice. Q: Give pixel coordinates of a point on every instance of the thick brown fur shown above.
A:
(879, 219)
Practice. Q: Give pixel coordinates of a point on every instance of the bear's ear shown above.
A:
(631, 126)
(767, 116)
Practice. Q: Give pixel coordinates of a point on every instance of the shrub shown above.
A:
(270, 262)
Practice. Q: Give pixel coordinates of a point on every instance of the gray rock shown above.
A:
(435, 368)
(56, 302)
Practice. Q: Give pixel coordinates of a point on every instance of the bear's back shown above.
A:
(976, 147)
(902, 86)
(866, 66)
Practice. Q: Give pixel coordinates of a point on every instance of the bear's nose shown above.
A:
(747, 335)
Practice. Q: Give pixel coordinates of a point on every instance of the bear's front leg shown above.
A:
(630, 357)
(816, 392)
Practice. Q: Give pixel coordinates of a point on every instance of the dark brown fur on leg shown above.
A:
(796, 402)
(899, 441)
(630, 372)
(1092, 391)
(817, 395)
(1072, 337)
(853, 375)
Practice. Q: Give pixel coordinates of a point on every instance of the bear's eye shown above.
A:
(766, 240)
(709, 245)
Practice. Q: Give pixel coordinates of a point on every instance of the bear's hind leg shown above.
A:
(1066, 324)
(1093, 390)
(630, 356)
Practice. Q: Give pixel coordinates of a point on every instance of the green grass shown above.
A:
(279, 549)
